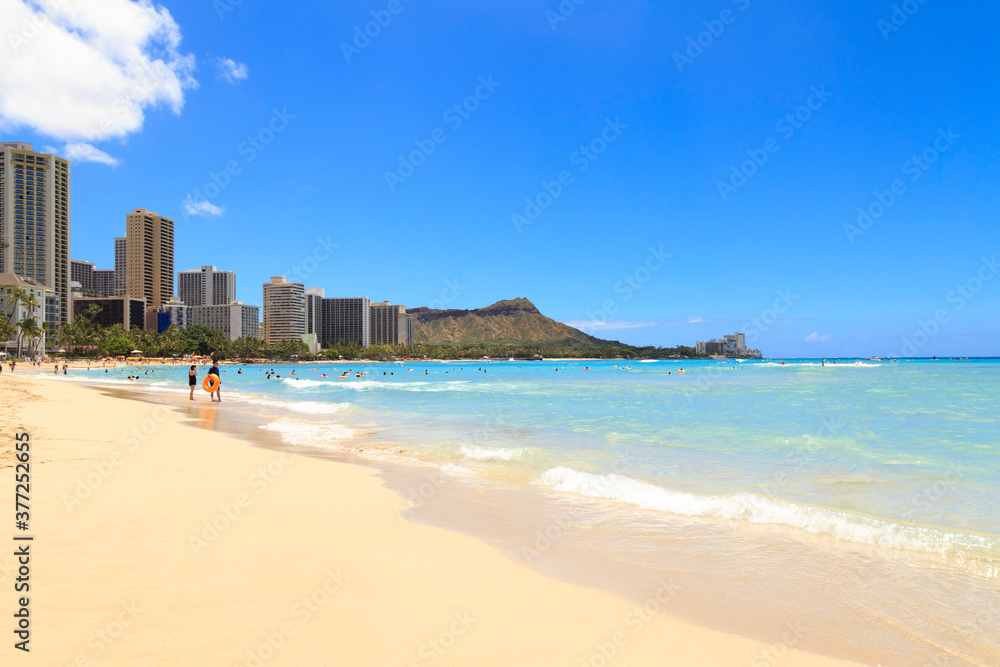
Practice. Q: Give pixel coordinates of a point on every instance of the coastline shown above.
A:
(307, 560)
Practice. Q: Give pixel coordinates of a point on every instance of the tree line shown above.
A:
(84, 337)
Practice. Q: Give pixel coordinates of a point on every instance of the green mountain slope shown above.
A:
(514, 321)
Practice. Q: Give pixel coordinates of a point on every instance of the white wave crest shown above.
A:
(754, 508)
(309, 433)
(478, 453)
(305, 407)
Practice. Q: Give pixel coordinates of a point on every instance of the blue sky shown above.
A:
(650, 238)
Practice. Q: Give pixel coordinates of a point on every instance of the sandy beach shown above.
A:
(158, 543)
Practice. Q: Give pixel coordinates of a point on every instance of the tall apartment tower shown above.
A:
(34, 221)
(346, 320)
(83, 273)
(149, 257)
(121, 265)
(391, 325)
(314, 309)
(207, 286)
(284, 310)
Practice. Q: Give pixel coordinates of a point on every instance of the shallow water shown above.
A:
(859, 499)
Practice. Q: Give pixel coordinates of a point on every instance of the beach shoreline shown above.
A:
(221, 549)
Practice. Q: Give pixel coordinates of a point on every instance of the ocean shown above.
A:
(858, 501)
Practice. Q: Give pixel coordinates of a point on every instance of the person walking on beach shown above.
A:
(214, 370)
(192, 380)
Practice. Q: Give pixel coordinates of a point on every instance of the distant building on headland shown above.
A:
(732, 345)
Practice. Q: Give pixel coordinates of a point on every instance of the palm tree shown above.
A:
(92, 311)
(29, 302)
(7, 330)
(85, 331)
(27, 328)
(45, 331)
(30, 331)
(17, 295)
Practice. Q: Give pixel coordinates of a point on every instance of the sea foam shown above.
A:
(477, 453)
(758, 509)
(310, 433)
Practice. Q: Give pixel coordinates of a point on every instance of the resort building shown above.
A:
(35, 220)
(121, 266)
(125, 310)
(234, 320)
(345, 320)
(178, 312)
(391, 325)
(82, 273)
(106, 282)
(732, 345)
(314, 311)
(149, 241)
(94, 282)
(284, 310)
(207, 286)
(17, 311)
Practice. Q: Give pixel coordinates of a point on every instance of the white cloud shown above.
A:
(816, 337)
(88, 69)
(231, 71)
(77, 152)
(202, 207)
(608, 325)
(694, 319)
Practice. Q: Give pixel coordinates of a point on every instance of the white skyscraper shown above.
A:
(284, 310)
(207, 286)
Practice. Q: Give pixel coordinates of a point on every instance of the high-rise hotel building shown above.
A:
(35, 221)
(207, 286)
(121, 265)
(391, 325)
(149, 257)
(284, 310)
(346, 320)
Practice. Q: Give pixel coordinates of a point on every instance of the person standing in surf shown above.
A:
(192, 380)
(214, 370)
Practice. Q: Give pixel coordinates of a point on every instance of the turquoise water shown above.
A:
(908, 444)
(900, 458)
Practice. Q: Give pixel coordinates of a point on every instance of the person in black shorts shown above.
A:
(192, 380)
(214, 370)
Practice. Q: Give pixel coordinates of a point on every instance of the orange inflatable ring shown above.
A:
(211, 383)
